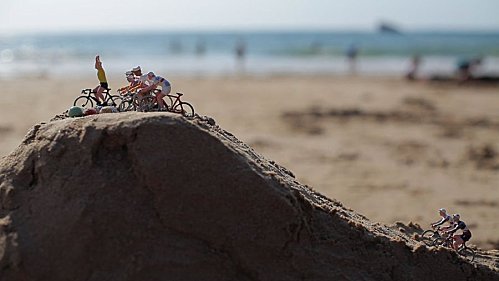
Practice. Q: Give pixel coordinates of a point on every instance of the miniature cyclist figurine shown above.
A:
(155, 81)
(445, 218)
(459, 239)
(137, 73)
(134, 83)
(101, 75)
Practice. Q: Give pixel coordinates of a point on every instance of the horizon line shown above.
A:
(249, 30)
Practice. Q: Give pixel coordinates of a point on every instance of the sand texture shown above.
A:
(390, 149)
(155, 196)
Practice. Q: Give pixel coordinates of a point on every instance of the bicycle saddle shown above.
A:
(180, 94)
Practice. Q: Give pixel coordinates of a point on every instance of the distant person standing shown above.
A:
(413, 68)
(240, 51)
(176, 47)
(466, 67)
(101, 75)
(200, 48)
(351, 53)
(316, 47)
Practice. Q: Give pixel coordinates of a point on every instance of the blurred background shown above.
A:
(391, 107)
(269, 36)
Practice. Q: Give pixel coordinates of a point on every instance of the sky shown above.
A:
(17, 16)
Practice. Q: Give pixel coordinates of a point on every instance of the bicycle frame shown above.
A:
(176, 105)
(89, 93)
(449, 242)
(176, 100)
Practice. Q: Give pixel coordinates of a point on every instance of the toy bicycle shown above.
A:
(430, 235)
(130, 102)
(87, 99)
(176, 105)
(463, 250)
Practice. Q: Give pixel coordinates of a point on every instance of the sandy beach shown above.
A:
(391, 150)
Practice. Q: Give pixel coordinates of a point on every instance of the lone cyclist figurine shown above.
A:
(101, 75)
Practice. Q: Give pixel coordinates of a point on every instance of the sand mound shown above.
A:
(158, 197)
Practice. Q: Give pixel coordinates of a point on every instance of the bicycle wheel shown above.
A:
(155, 106)
(467, 253)
(428, 236)
(440, 241)
(126, 105)
(167, 107)
(147, 104)
(114, 101)
(185, 109)
(83, 101)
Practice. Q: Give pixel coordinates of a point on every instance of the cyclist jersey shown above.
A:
(101, 75)
(461, 225)
(160, 80)
(448, 219)
(145, 79)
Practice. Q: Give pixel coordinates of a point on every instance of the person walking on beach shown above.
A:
(240, 51)
(101, 75)
(414, 68)
(351, 53)
(465, 68)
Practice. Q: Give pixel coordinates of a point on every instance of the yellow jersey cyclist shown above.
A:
(101, 75)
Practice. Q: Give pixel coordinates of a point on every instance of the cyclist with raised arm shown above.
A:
(101, 75)
(459, 239)
(445, 218)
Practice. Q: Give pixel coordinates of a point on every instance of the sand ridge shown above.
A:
(91, 198)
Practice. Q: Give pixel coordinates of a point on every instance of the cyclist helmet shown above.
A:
(456, 217)
(442, 210)
(150, 73)
(135, 69)
(128, 73)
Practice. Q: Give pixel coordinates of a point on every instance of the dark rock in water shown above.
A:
(384, 27)
(155, 196)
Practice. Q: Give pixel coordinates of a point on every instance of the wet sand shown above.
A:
(389, 149)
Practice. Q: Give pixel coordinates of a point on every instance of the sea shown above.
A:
(255, 53)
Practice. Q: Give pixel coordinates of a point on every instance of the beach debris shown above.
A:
(108, 109)
(90, 111)
(75, 111)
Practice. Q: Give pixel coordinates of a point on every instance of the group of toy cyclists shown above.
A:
(454, 224)
(144, 83)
